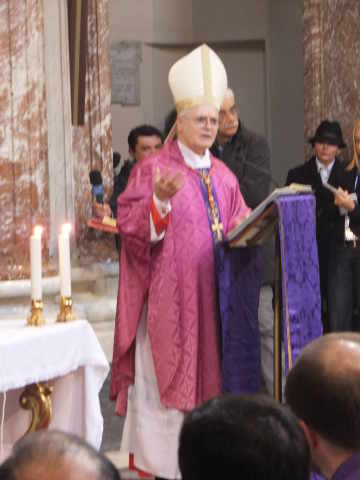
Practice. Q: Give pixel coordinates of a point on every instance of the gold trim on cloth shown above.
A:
(287, 319)
(216, 226)
(207, 98)
(205, 59)
(196, 102)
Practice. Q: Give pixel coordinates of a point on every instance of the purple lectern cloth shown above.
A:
(300, 277)
(300, 274)
(239, 281)
(238, 275)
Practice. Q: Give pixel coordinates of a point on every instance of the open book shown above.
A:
(260, 223)
(105, 224)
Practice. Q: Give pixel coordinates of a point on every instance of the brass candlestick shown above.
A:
(36, 318)
(66, 314)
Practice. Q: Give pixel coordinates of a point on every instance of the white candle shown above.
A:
(64, 261)
(35, 263)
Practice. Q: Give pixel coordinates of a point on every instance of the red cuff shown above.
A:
(160, 223)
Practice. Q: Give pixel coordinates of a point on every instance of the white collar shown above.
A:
(192, 159)
(320, 165)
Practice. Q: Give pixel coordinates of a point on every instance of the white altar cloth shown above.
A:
(69, 357)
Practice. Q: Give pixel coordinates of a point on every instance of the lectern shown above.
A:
(289, 214)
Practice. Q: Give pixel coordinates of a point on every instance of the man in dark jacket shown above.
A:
(143, 141)
(245, 153)
(324, 167)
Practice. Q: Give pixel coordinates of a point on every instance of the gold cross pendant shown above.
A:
(218, 228)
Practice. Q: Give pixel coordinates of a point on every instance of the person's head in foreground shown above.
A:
(244, 437)
(198, 83)
(323, 390)
(56, 455)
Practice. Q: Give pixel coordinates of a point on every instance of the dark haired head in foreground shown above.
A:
(56, 455)
(244, 437)
(323, 390)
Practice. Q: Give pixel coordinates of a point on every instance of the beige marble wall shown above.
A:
(332, 64)
(24, 198)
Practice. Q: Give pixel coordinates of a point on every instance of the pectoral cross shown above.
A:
(218, 228)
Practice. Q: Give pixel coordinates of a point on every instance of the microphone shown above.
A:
(97, 185)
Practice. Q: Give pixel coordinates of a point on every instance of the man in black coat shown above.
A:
(323, 167)
(246, 153)
(143, 141)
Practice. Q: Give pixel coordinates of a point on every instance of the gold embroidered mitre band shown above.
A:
(197, 79)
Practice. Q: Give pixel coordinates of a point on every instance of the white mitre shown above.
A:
(197, 79)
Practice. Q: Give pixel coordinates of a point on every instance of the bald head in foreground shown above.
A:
(244, 437)
(56, 455)
(323, 390)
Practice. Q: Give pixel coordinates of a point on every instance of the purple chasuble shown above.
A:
(175, 278)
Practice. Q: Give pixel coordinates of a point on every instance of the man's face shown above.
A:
(325, 153)
(228, 119)
(197, 128)
(146, 146)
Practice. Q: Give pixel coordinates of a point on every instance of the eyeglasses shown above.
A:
(203, 121)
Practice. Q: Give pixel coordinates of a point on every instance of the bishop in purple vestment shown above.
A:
(178, 205)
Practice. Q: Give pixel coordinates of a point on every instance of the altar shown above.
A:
(68, 358)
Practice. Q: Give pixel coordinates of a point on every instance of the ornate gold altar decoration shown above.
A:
(36, 318)
(66, 314)
(36, 397)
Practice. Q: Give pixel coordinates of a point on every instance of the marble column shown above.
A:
(332, 64)
(24, 195)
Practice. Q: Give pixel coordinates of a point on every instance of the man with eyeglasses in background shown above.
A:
(246, 153)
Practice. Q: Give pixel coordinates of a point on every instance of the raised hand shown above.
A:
(101, 210)
(167, 184)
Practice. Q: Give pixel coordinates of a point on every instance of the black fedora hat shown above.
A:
(328, 132)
